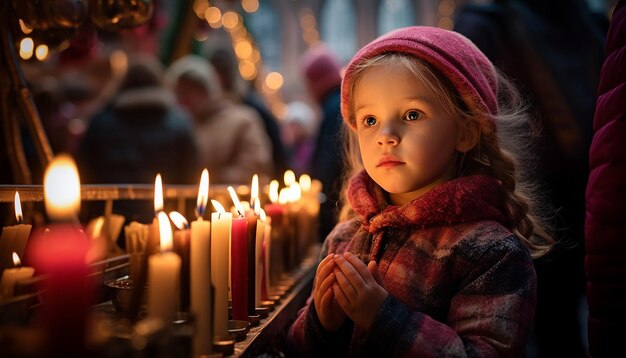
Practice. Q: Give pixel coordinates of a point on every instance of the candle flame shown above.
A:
(165, 229)
(18, 208)
(257, 206)
(179, 220)
(236, 202)
(283, 198)
(262, 215)
(218, 207)
(274, 191)
(16, 260)
(158, 194)
(62, 188)
(289, 177)
(203, 193)
(296, 192)
(254, 188)
(305, 182)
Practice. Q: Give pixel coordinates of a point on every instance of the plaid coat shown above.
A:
(459, 282)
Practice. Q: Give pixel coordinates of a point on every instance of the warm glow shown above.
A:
(199, 7)
(158, 194)
(118, 60)
(218, 207)
(305, 182)
(179, 220)
(41, 52)
(26, 48)
(262, 215)
(62, 188)
(283, 198)
(16, 260)
(165, 229)
(230, 20)
(203, 193)
(243, 49)
(295, 192)
(236, 202)
(213, 16)
(254, 188)
(274, 80)
(18, 208)
(26, 29)
(273, 191)
(289, 177)
(250, 6)
(96, 230)
(247, 70)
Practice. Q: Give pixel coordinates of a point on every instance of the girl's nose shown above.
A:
(388, 136)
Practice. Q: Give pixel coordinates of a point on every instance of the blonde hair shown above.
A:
(505, 155)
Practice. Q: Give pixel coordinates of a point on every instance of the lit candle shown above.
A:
(181, 247)
(201, 273)
(239, 261)
(221, 226)
(258, 263)
(265, 256)
(14, 238)
(311, 206)
(253, 219)
(151, 247)
(276, 214)
(60, 254)
(163, 276)
(11, 276)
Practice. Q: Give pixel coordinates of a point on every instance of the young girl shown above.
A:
(437, 257)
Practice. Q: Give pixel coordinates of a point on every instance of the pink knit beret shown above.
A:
(451, 53)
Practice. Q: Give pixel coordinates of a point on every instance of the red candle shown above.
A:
(251, 260)
(239, 261)
(60, 254)
(239, 272)
(68, 291)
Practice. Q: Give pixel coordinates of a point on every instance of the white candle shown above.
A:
(11, 276)
(220, 261)
(163, 276)
(200, 262)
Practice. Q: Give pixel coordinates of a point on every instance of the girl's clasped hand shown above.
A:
(346, 287)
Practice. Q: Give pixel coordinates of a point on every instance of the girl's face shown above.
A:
(407, 141)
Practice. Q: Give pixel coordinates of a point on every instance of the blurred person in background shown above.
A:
(322, 73)
(553, 51)
(139, 133)
(244, 93)
(232, 143)
(298, 130)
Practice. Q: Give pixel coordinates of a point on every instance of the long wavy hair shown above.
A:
(508, 157)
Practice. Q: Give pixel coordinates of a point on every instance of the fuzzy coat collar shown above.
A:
(460, 200)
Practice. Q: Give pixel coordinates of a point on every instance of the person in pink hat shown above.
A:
(440, 225)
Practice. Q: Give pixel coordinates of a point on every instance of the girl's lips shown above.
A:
(389, 161)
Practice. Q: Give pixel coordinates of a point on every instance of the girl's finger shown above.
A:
(359, 266)
(327, 298)
(349, 291)
(327, 283)
(373, 268)
(341, 298)
(350, 272)
(324, 268)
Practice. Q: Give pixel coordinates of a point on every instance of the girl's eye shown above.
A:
(412, 115)
(369, 121)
